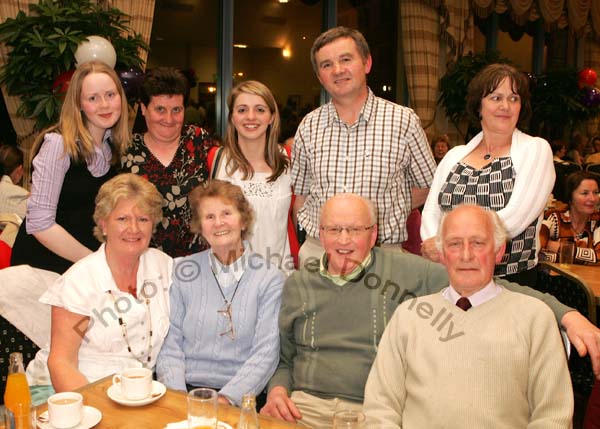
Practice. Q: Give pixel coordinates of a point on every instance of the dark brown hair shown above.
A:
(332, 35)
(574, 180)
(163, 81)
(10, 158)
(486, 82)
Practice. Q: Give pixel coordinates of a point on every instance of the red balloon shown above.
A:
(587, 77)
(61, 83)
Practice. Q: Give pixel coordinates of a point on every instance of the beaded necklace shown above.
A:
(145, 362)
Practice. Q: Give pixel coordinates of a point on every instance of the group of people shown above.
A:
(231, 312)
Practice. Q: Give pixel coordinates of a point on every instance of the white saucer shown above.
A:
(158, 391)
(91, 417)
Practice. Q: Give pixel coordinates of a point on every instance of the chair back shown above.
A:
(572, 291)
(593, 168)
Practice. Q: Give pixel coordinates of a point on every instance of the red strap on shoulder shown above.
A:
(211, 157)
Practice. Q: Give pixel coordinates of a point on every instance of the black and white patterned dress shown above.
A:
(491, 187)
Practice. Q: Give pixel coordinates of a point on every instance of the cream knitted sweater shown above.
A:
(499, 365)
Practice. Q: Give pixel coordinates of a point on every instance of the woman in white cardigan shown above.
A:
(501, 168)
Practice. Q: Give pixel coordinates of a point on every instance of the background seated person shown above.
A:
(110, 310)
(578, 222)
(504, 365)
(594, 158)
(334, 311)
(224, 303)
(13, 198)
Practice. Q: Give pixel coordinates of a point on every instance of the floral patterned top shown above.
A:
(187, 170)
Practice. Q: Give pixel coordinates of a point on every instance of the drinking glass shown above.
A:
(348, 419)
(22, 418)
(202, 409)
(567, 249)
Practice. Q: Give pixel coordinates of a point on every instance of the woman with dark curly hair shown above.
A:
(171, 155)
(501, 168)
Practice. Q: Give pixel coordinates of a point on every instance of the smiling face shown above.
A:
(127, 229)
(251, 117)
(341, 69)
(440, 149)
(164, 118)
(500, 109)
(100, 102)
(345, 251)
(221, 225)
(584, 199)
(468, 249)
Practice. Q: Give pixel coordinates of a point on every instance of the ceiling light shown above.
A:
(283, 1)
(287, 53)
(239, 45)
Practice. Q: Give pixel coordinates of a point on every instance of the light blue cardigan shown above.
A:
(195, 353)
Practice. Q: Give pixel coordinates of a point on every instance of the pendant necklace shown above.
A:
(144, 361)
(226, 311)
(488, 155)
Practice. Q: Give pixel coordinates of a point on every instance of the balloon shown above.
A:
(587, 77)
(590, 97)
(131, 79)
(61, 83)
(96, 48)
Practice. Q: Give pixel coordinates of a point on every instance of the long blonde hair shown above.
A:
(276, 160)
(71, 125)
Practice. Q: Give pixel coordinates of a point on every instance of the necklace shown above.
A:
(145, 362)
(487, 156)
(226, 310)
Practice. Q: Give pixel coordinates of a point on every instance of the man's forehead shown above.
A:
(467, 223)
(345, 208)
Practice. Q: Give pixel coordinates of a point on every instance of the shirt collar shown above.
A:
(146, 272)
(341, 280)
(235, 269)
(491, 290)
(365, 113)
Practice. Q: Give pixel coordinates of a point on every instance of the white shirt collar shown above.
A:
(491, 290)
(232, 273)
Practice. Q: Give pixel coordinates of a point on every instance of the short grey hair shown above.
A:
(500, 234)
(371, 207)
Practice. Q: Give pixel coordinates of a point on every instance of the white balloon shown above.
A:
(96, 48)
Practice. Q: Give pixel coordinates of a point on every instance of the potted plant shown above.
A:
(43, 46)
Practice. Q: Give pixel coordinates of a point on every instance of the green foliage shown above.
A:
(453, 85)
(43, 46)
(556, 103)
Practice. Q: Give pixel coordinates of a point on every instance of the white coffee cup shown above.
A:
(135, 383)
(65, 409)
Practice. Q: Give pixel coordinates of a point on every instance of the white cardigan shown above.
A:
(534, 180)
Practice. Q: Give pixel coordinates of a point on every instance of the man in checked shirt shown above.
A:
(357, 143)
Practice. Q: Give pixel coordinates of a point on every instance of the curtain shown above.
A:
(23, 127)
(141, 14)
(421, 46)
(577, 14)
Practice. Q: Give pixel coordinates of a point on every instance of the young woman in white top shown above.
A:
(252, 159)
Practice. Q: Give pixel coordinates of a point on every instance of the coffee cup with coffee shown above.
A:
(135, 383)
(65, 409)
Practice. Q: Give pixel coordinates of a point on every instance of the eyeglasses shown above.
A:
(353, 231)
(227, 313)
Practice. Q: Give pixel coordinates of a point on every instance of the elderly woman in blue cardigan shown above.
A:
(224, 304)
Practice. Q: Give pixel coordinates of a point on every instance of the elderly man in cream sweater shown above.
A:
(505, 365)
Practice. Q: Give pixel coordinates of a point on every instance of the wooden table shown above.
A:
(168, 409)
(587, 274)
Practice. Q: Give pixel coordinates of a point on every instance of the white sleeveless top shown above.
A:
(271, 204)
